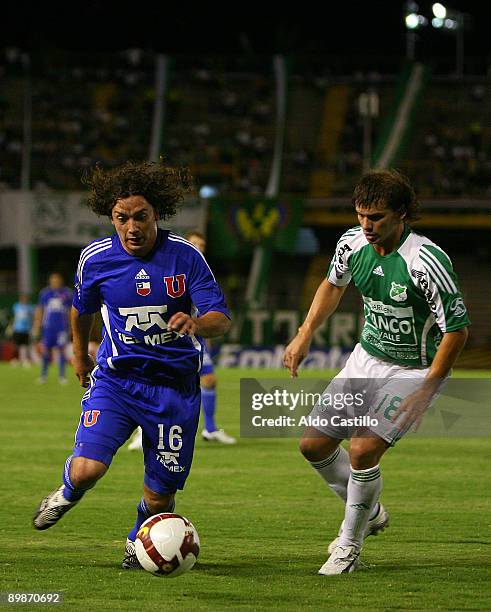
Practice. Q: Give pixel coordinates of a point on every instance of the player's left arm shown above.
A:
(415, 405)
(210, 325)
(441, 289)
(450, 348)
(213, 319)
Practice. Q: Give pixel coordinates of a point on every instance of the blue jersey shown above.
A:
(56, 308)
(23, 316)
(137, 296)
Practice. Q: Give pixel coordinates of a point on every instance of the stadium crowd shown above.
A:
(220, 120)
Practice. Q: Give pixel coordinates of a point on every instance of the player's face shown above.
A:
(199, 243)
(55, 281)
(136, 225)
(381, 225)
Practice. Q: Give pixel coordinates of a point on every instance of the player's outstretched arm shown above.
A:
(82, 361)
(210, 325)
(325, 302)
(415, 405)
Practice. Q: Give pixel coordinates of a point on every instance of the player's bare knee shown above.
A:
(84, 473)
(315, 447)
(366, 452)
(158, 503)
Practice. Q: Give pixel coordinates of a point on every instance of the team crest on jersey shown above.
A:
(90, 417)
(143, 288)
(398, 293)
(175, 285)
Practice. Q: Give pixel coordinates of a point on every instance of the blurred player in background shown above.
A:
(157, 295)
(52, 324)
(210, 433)
(21, 328)
(415, 327)
(208, 381)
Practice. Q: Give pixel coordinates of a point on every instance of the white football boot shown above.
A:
(130, 560)
(343, 560)
(136, 442)
(51, 509)
(375, 525)
(217, 436)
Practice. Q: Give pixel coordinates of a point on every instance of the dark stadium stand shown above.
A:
(220, 116)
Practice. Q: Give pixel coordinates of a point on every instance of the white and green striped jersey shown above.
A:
(410, 296)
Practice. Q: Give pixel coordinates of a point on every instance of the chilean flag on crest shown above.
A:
(143, 288)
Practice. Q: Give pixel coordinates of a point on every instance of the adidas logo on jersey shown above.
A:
(142, 275)
(378, 270)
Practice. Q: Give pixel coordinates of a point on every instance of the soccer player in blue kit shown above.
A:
(158, 299)
(52, 323)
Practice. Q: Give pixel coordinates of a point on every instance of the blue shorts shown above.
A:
(207, 367)
(54, 338)
(112, 408)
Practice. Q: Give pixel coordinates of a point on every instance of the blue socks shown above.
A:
(47, 359)
(208, 401)
(45, 365)
(142, 514)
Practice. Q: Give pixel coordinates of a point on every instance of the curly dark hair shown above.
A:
(162, 186)
(389, 188)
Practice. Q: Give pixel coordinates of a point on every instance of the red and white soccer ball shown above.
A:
(167, 545)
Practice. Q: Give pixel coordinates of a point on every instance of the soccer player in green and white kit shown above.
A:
(415, 327)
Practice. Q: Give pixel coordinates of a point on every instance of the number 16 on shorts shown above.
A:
(169, 445)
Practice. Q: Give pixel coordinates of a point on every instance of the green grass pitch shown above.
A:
(263, 516)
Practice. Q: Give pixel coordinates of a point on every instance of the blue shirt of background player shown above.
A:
(56, 308)
(137, 296)
(23, 317)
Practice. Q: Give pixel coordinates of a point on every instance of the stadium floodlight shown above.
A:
(448, 19)
(412, 21)
(415, 21)
(452, 21)
(439, 11)
(451, 24)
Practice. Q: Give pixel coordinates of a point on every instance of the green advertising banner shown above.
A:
(264, 327)
(237, 226)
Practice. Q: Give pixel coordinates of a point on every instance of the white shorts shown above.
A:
(362, 398)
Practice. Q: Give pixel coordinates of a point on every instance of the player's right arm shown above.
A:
(325, 302)
(86, 302)
(82, 361)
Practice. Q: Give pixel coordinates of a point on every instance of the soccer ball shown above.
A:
(167, 545)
